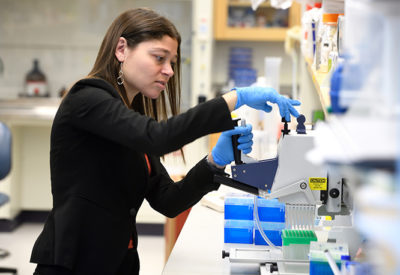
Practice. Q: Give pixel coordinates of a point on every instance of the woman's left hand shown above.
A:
(222, 153)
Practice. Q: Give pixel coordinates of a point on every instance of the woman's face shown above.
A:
(148, 66)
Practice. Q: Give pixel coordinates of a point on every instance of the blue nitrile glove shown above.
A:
(222, 152)
(257, 98)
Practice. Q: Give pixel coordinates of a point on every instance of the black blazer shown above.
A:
(99, 176)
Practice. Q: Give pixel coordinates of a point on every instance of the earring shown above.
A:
(120, 78)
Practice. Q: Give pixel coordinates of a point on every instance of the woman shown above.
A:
(106, 140)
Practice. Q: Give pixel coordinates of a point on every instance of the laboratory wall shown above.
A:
(65, 36)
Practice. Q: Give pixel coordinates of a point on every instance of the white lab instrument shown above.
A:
(306, 188)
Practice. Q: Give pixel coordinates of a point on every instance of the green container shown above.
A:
(290, 236)
(296, 243)
(318, 115)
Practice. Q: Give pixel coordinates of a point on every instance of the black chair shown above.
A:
(5, 166)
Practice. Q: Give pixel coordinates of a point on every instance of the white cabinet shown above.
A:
(28, 183)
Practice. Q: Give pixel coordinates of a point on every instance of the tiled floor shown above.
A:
(19, 243)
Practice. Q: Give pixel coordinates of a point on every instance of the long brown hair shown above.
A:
(136, 26)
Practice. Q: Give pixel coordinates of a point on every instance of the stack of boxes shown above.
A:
(240, 67)
(238, 214)
(272, 219)
(239, 220)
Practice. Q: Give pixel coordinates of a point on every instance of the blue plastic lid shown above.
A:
(271, 225)
(261, 202)
(345, 258)
(244, 224)
(239, 201)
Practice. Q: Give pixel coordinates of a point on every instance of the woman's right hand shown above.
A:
(258, 98)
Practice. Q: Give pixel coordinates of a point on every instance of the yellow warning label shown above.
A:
(318, 183)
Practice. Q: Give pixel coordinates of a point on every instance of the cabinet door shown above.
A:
(235, 20)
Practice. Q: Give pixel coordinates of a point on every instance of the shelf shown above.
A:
(29, 111)
(318, 79)
(253, 34)
(343, 139)
(223, 32)
(247, 4)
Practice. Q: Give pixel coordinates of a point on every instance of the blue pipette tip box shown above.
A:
(321, 267)
(239, 207)
(273, 230)
(238, 231)
(270, 210)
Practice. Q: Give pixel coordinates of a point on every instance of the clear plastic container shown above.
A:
(296, 243)
(326, 46)
(328, 40)
(309, 19)
(272, 71)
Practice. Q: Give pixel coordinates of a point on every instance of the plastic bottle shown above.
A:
(309, 19)
(325, 50)
(327, 34)
(35, 81)
(328, 40)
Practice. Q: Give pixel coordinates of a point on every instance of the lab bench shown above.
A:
(198, 249)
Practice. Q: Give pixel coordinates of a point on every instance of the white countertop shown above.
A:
(198, 249)
(26, 110)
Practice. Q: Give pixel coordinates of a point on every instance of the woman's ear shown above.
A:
(120, 49)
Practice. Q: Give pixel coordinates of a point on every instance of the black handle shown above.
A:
(237, 156)
(285, 130)
(235, 184)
